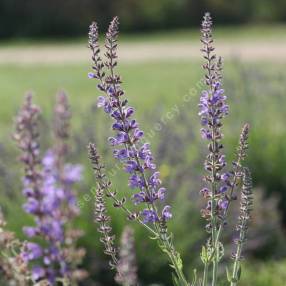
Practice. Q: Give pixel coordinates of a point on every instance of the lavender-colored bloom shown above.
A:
(121, 154)
(139, 198)
(131, 166)
(212, 109)
(30, 231)
(135, 181)
(161, 193)
(38, 272)
(166, 213)
(135, 156)
(33, 251)
(154, 180)
(223, 204)
(48, 191)
(149, 216)
(223, 189)
(32, 206)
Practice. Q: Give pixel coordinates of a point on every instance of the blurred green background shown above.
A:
(43, 49)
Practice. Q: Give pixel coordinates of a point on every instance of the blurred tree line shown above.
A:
(36, 18)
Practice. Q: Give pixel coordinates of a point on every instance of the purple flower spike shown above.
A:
(136, 157)
(47, 185)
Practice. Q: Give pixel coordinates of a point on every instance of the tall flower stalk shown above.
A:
(246, 204)
(222, 185)
(27, 137)
(101, 217)
(213, 109)
(50, 199)
(136, 157)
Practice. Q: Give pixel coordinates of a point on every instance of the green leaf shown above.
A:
(204, 255)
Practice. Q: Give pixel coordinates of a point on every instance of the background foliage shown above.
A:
(34, 18)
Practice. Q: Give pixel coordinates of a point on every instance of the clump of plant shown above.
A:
(48, 185)
(222, 183)
(50, 255)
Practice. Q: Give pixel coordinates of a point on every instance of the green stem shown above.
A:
(213, 214)
(236, 266)
(173, 258)
(205, 278)
(215, 266)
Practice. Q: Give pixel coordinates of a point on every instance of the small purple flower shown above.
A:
(166, 213)
(38, 273)
(128, 111)
(32, 206)
(138, 134)
(154, 180)
(117, 126)
(30, 231)
(225, 177)
(161, 193)
(148, 163)
(145, 151)
(223, 204)
(103, 102)
(91, 75)
(131, 166)
(135, 181)
(28, 192)
(139, 198)
(206, 134)
(121, 154)
(149, 216)
(223, 189)
(33, 251)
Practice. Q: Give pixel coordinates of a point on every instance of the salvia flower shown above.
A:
(212, 109)
(48, 186)
(136, 157)
(127, 265)
(221, 183)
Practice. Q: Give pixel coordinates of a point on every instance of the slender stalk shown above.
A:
(246, 204)
(241, 155)
(236, 266)
(130, 146)
(205, 277)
